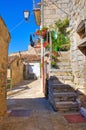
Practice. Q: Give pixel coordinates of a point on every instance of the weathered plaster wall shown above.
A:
(4, 40)
(78, 59)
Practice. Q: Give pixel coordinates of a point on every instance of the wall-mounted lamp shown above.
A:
(26, 14)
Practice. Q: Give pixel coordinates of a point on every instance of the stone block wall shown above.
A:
(17, 72)
(4, 41)
(54, 10)
(78, 59)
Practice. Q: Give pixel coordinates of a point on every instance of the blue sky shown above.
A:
(12, 13)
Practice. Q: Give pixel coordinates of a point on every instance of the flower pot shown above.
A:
(45, 44)
(43, 32)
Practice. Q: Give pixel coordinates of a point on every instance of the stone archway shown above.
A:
(4, 42)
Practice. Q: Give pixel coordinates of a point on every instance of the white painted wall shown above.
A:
(34, 68)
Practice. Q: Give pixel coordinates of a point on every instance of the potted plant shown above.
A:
(42, 32)
(45, 44)
(38, 32)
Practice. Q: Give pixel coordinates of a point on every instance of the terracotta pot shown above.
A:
(43, 32)
(45, 44)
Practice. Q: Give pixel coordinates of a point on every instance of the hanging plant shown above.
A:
(45, 44)
(38, 32)
(42, 32)
(48, 46)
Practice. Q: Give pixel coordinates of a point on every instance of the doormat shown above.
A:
(75, 118)
(20, 113)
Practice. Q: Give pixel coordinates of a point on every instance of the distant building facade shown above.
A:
(25, 64)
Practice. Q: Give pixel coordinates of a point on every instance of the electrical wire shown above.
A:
(17, 25)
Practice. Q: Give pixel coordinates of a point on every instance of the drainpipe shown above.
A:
(42, 49)
(50, 57)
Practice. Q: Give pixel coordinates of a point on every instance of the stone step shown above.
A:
(67, 106)
(63, 59)
(61, 78)
(62, 72)
(64, 65)
(61, 99)
(64, 53)
(62, 88)
(64, 94)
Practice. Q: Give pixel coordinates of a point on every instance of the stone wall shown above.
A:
(17, 71)
(78, 59)
(54, 11)
(4, 40)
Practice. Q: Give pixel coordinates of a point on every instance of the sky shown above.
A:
(12, 12)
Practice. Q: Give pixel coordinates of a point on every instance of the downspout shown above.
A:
(42, 49)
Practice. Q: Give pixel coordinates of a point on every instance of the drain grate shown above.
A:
(20, 113)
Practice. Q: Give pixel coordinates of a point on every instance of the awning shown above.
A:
(37, 14)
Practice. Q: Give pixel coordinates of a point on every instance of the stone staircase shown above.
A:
(61, 92)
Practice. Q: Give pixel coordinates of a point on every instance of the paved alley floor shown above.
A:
(31, 111)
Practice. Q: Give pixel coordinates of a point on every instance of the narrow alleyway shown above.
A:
(29, 97)
(29, 110)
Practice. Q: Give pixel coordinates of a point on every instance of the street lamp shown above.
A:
(26, 14)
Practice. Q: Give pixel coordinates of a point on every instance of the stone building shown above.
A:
(4, 41)
(75, 10)
(78, 45)
(31, 68)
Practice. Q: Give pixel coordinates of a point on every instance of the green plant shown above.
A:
(40, 65)
(53, 64)
(41, 31)
(54, 57)
(62, 42)
(48, 46)
(44, 28)
(62, 25)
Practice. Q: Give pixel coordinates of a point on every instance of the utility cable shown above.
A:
(17, 25)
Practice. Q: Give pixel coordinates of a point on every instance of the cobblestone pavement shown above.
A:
(40, 114)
